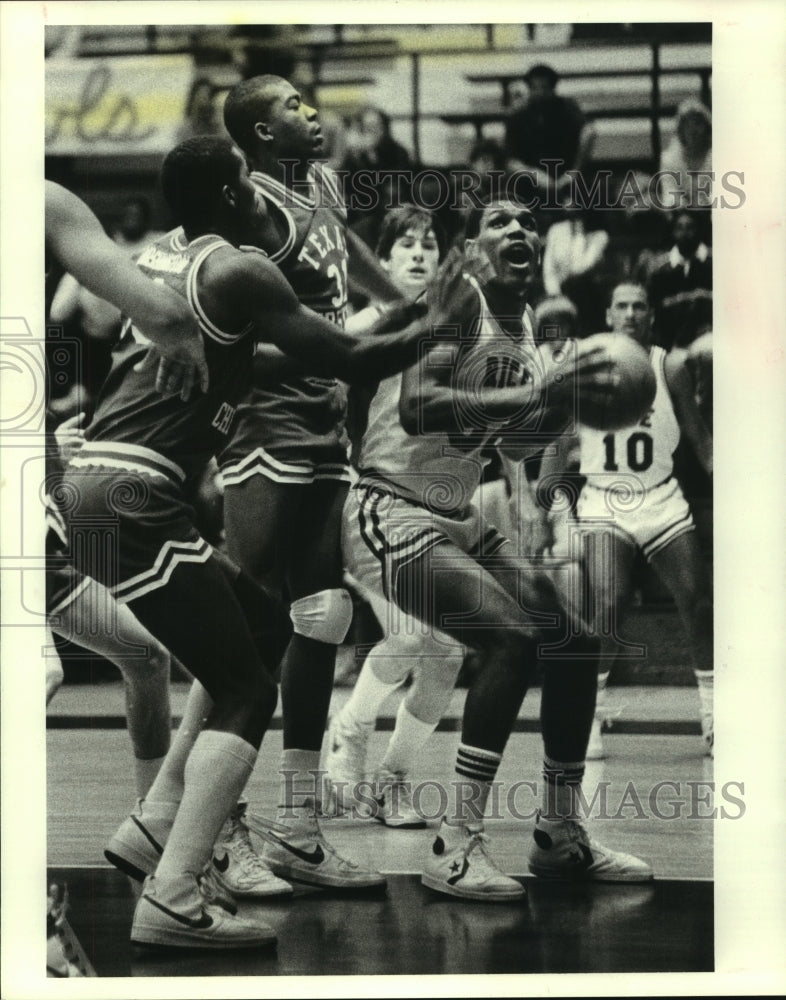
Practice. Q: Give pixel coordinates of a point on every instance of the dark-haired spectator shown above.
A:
(487, 155)
(638, 230)
(371, 147)
(680, 284)
(547, 127)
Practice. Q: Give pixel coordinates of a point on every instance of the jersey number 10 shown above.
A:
(638, 448)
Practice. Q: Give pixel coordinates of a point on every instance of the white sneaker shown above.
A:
(345, 758)
(305, 856)
(137, 846)
(394, 802)
(237, 867)
(458, 864)
(564, 850)
(65, 957)
(172, 912)
(595, 748)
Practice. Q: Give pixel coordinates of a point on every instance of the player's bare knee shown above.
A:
(159, 661)
(324, 616)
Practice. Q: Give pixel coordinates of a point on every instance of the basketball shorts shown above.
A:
(651, 519)
(129, 524)
(397, 531)
(64, 582)
(292, 434)
(365, 572)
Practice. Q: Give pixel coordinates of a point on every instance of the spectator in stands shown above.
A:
(134, 230)
(574, 264)
(679, 283)
(486, 156)
(637, 229)
(547, 126)
(371, 147)
(201, 114)
(689, 151)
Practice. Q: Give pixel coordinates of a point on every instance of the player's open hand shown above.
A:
(397, 315)
(180, 362)
(453, 300)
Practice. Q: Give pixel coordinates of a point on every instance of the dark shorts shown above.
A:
(131, 528)
(295, 434)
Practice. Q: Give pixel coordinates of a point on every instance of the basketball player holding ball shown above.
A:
(632, 502)
(482, 382)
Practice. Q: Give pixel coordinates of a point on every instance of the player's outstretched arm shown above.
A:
(280, 319)
(680, 385)
(76, 238)
(365, 273)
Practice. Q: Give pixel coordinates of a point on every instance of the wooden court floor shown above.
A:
(649, 792)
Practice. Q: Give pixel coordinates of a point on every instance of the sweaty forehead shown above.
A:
(506, 208)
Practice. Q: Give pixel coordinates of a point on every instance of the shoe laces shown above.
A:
(479, 844)
(576, 832)
(243, 849)
(212, 894)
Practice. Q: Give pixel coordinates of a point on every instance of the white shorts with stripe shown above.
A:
(651, 518)
(364, 572)
(397, 531)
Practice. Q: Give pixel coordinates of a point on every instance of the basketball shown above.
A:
(626, 402)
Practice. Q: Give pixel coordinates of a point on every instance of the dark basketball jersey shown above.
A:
(300, 420)
(130, 413)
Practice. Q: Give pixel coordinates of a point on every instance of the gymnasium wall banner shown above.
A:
(115, 106)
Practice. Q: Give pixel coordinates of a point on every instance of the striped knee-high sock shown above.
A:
(476, 769)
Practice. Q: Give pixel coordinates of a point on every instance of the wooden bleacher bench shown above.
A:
(506, 79)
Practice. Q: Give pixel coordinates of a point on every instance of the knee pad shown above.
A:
(325, 616)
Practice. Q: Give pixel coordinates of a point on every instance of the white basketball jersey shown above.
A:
(641, 456)
(441, 470)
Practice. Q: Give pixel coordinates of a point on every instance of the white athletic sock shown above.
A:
(145, 772)
(368, 695)
(216, 773)
(168, 784)
(299, 791)
(468, 793)
(408, 739)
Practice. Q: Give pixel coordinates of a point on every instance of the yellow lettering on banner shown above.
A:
(130, 103)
